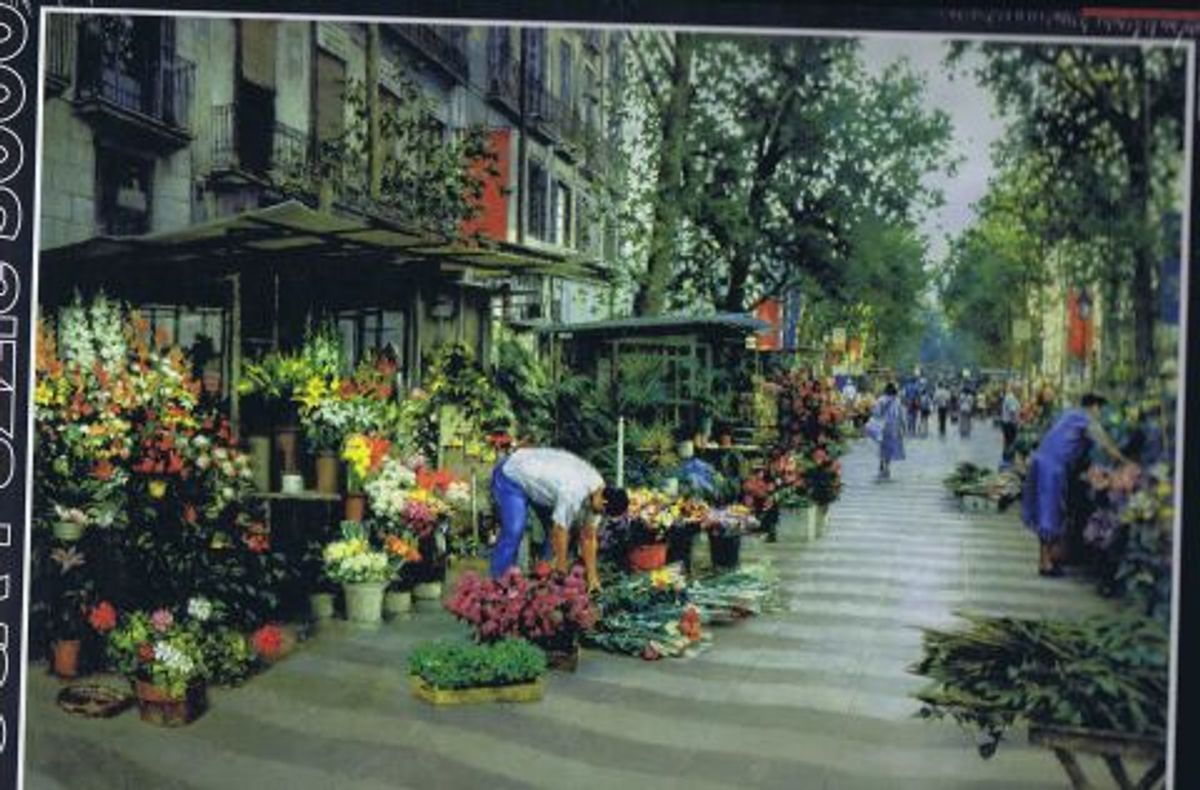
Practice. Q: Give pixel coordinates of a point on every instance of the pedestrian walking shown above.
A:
(1010, 410)
(941, 400)
(912, 402)
(887, 415)
(1058, 457)
(926, 409)
(966, 410)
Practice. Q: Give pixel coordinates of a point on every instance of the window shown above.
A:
(565, 66)
(589, 98)
(123, 186)
(499, 49)
(199, 331)
(535, 69)
(538, 202)
(372, 330)
(254, 113)
(331, 97)
(562, 214)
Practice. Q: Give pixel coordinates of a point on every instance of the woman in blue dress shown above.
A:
(1056, 458)
(890, 413)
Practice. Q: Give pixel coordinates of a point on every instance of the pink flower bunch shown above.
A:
(539, 609)
(162, 620)
(420, 517)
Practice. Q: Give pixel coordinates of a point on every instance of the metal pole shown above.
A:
(620, 452)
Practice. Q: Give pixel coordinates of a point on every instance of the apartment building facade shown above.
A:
(155, 124)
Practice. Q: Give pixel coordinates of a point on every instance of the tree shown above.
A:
(1108, 120)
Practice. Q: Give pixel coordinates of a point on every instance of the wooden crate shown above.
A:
(522, 692)
(1113, 747)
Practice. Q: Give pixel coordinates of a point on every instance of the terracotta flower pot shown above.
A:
(328, 467)
(66, 657)
(356, 507)
(648, 557)
(157, 706)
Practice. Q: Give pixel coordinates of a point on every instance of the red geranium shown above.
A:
(145, 653)
(268, 641)
(103, 617)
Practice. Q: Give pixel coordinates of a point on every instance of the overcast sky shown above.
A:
(972, 113)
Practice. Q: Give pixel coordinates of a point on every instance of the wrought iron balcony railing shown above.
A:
(504, 82)
(157, 87)
(60, 51)
(281, 152)
(439, 45)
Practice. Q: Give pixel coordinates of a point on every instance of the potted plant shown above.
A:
(725, 527)
(552, 610)
(364, 457)
(67, 609)
(362, 571)
(164, 662)
(404, 552)
(648, 521)
(448, 673)
(823, 481)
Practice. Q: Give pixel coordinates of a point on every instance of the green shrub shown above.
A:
(457, 665)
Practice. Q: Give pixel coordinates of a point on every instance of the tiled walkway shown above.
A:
(815, 697)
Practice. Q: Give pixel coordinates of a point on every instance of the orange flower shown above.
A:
(103, 470)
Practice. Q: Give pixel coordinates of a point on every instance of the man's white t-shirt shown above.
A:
(555, 479)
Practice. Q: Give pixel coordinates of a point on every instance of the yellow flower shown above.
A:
(43, 395)
(315, 390)
(158, 489)
(660, 578)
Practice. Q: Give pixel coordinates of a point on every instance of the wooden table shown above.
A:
(1114, 747)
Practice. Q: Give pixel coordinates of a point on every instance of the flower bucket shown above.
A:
(68, 531)
(724, 550)
(157, 706)
(260, 462)
(397, 602)
(356, 507)
(813, 526)
(364, 602)
(65, 657)
(428, 595)
(679, 547)
(328, 467)
(292, 484)
(648, 556)
(321, 606)
(793, 524)
(562, 654)
(822, 518)
(287, 446)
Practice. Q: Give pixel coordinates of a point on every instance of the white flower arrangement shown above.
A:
(389, 490)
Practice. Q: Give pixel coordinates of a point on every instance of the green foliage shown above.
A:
(1106, 674)
(523, 379)
(459, 665)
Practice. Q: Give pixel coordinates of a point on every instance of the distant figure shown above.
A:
(1058, 456)
(1010, 411)
(912, 400)
(966, 410)
(926, 407)
(941, 401)
(890, 414)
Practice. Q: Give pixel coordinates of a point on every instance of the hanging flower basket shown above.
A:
(647, 557)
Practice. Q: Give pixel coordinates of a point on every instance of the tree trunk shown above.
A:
(1137, 148)
(652, 295)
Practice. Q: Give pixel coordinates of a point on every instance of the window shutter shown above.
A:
(258, 52)
(331, 88)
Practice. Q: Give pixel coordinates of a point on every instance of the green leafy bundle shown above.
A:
(459, 665)
(1101, 673)
(965, 477)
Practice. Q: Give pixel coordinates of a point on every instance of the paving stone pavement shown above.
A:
(812, 697)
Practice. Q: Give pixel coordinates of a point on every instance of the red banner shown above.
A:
(492, 220)
(1079, 326)
(771, 311)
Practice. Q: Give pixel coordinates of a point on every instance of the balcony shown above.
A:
(445, 47)
(554, 118)
(504, 83)
(240, 151)
(597, 154)
(143, 102)
(60, 52)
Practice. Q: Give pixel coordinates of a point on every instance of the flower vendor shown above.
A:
(1063, 447)
(566, 490)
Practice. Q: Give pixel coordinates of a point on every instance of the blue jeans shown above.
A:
(512, 506)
